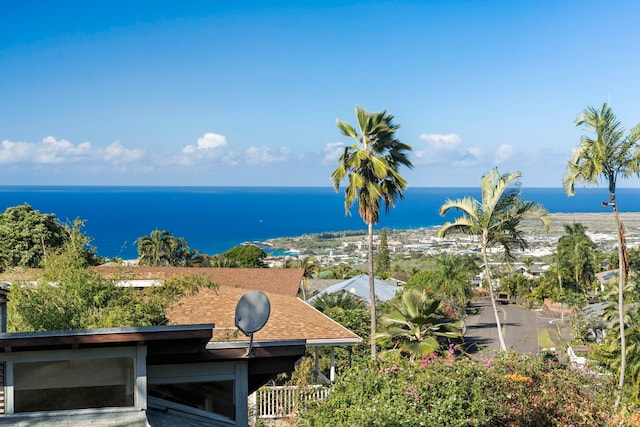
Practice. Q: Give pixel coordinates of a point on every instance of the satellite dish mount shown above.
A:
(252, 313)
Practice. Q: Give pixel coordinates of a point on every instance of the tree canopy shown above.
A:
(249, 256)
(27, 237)
(69, 295)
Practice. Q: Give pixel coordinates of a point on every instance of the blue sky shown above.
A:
(247, 93)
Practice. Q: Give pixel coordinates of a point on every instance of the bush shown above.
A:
(510, 390)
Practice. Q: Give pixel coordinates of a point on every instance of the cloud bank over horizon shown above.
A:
(213, 151)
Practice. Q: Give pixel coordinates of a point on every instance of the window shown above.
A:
(211, 389)
(73, 384)
(214, 396)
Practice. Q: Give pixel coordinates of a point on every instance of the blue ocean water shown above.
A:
(214, 219)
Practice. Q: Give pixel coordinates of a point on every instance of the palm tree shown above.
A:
(576, 254)
(155, 248)
(449, 281)
(414, 325)
(371, 167)
(496, 220)
(342, 299)
(610, 155)
(311, 269)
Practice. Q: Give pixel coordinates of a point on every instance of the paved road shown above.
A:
(521, 328)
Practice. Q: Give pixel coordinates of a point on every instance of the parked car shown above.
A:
(502, 298)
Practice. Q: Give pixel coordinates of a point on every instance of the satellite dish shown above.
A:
(252, 313)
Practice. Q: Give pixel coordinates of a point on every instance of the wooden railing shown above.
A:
(282, 401)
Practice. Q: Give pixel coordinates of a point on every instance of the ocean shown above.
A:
(214, 219)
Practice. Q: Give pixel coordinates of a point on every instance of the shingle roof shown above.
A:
(290, 319)
(275, 280)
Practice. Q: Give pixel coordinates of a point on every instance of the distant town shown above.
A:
(350, 247)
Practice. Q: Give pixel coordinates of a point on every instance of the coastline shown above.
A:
(600, 223)
(600, 226)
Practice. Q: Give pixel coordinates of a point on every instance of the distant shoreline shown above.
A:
(603, 222)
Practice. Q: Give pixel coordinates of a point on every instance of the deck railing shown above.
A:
(282, 401)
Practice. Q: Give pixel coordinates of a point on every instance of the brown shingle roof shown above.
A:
(290, 319)
(275, 280)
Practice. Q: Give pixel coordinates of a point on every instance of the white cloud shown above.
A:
(49, 151)
(436, 141)
(446, 149)
(332, 152)
(264, 154)
(211, 147)
(116, 152)
(504, 152)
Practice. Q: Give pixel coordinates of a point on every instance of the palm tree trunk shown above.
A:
(623, 264)
(503, 346)
(372, 294)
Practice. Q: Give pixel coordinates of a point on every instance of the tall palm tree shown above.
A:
(496, 220)
(414, 325)
(371, 167)
(609, 155)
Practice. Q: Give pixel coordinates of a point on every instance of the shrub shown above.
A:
(509, 390)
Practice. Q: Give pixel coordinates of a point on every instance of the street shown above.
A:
(521, 327)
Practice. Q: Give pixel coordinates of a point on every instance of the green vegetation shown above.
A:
(248, 256)
(383, 258)
(496, 220)
(70, 295)
(449, 280)
(27, 237)
(510, 390)
(311, 270)
(161, 248)
(576, 257)
(610, 155)
(351, 312)
(371, 167)
(416, 326)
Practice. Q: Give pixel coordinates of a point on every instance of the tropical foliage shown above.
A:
(247, 256)
(371, 167)
(161, 248)
(351, 312)
(509, 390)
(27, 237)
(344, 300)
(610, 155)
(608, 352)
(450, 281)
(311, 270)
(69, 295)
(416, 326)
(517, 285)
(496, 221)
(340, 271)
(576, 257)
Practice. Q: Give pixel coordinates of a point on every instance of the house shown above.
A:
(359, 286)
(189, 372)
(133, 376)
(399, 279)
